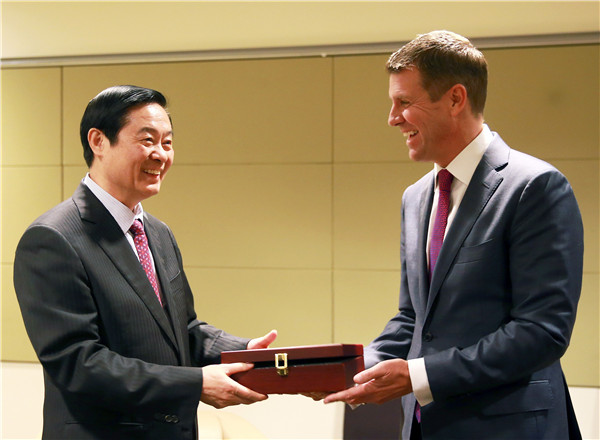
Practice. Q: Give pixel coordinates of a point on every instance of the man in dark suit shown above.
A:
(484, 317)
(123, 353)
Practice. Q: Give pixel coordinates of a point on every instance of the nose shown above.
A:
(159, 154)
(395, 117)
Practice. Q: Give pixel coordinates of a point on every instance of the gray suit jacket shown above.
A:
(116, 364)
(499, 311)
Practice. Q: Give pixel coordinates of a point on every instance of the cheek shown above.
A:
(409, 115)
(169, 162)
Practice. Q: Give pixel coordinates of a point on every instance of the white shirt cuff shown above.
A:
(419, 380)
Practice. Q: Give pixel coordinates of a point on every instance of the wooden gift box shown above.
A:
(302, 369)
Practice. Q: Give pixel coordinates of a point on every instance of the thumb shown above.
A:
(263, 341)
(366, 375)
(269, 338)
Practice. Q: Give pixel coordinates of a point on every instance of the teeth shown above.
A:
(155, 172)
(410, 133)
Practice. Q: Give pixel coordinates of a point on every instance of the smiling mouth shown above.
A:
(410, 134)
(153, 172)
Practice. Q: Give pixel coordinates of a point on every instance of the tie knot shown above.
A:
(137, 228)
(445, 180)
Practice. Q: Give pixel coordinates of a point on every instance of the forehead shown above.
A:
(406, 82)
(148, 116)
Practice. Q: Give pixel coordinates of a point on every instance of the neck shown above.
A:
(463, 134)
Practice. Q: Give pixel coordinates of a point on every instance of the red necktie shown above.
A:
(141, 244)
(441, 218)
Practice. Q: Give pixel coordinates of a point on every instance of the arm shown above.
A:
(76, 344)
(396, 338)
(61, 315)
(387, 375)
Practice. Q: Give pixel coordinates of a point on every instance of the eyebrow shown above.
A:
(153, 131)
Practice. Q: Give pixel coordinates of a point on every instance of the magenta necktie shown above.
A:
(441, 218)
(437, 235)
(141, 244)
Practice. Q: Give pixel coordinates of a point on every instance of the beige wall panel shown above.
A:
(250, 303)
(362, 104)
(249, 216)
(27, 192)
(366, 208)
(584, 178)
(364, 301)
(582, 360)
(72, 176)
(250, 111)
(31, 128)
(545, 101)
(15, 342)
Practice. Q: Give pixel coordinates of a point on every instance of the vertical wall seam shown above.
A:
(332, 140)
(62, 132)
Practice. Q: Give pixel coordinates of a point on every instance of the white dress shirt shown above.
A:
(121, 213)
(462, 168)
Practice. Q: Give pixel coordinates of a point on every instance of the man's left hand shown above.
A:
(385, 381)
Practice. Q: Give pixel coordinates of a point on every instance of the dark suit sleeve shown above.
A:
(396, 338)
(60, 311)
(206, 342)
(544, 242)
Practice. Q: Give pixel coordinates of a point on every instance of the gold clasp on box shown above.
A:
(281, 364)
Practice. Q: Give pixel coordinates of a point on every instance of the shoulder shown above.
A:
(527, 173)
(425, 183)
(62, 217)
(514, 162)
(156, 223)
(528, 165)
(158, 228)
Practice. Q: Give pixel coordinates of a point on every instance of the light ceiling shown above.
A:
(59, 30)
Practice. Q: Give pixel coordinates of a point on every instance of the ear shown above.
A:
(458, 98)
(98, 141)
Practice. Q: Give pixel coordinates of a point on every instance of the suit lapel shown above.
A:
(484, 183)
(158, 253)
(424, 214)
(105, 231)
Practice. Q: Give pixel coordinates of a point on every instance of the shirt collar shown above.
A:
(121, 213)
(463, 166)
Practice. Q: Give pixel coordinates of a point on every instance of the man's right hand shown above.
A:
(219, 390)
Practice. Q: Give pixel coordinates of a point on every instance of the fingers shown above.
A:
(242, 395)
(316, 396)
(219, 390)
(385, 381)
(352, 396)
(237, 367)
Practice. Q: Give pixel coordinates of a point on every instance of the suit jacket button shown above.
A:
(171, 419)
(427, 337)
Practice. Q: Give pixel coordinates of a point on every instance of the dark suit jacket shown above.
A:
(500, 308)
(116, 364)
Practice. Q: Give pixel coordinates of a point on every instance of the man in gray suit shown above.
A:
(485, 315)
(123, 353)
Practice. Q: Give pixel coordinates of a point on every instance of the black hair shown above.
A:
(109, 110)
